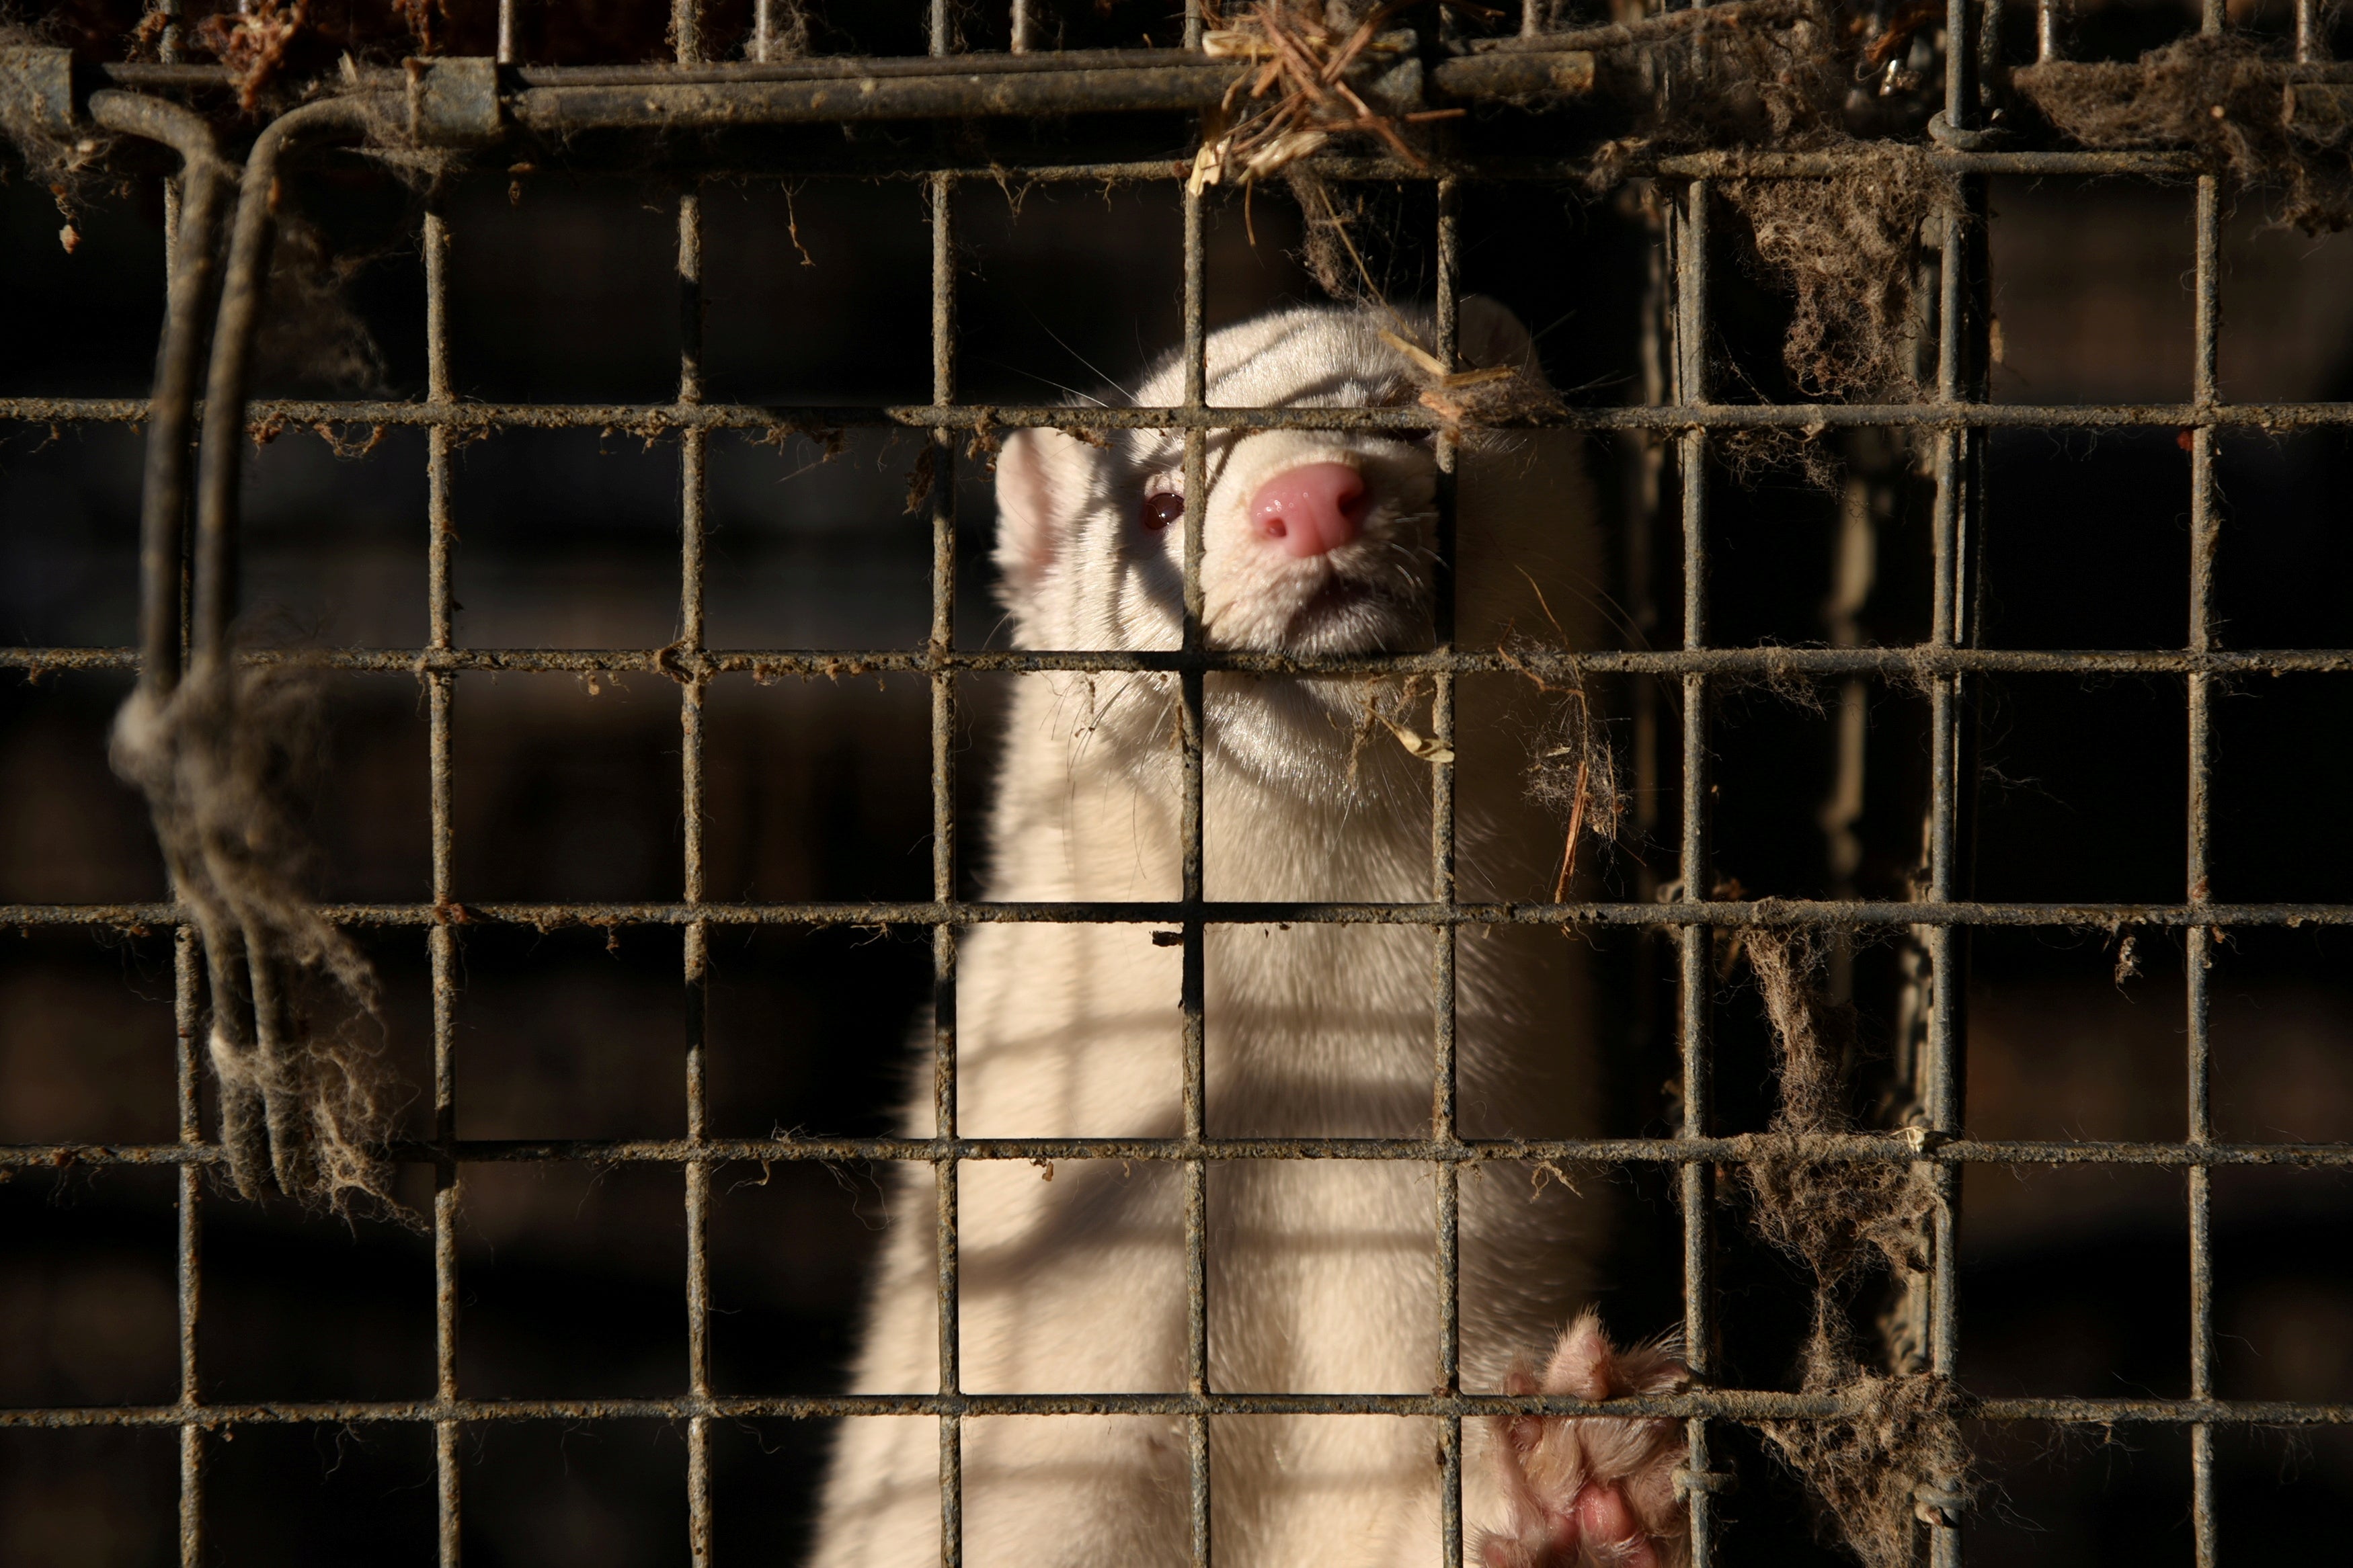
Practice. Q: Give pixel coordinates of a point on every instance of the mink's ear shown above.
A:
(1043, 478)
(1487, 335)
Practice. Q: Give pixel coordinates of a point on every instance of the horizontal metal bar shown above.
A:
(1766, 913)
(1731, 1404)
(850, 68)
(1899, 664)
(653, 419)
(1740, 164)
(558, 103)
(1181, 87)
(912, 162)
(559, 99)
(1849, 1149)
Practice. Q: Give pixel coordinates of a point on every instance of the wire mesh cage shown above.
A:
(554, 891)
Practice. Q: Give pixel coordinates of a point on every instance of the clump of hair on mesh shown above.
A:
(306, 1101)
(1847, 248)
(2223, 95)
(67, 167)
(308, 330)
(1894, 1457)
(1844, 247)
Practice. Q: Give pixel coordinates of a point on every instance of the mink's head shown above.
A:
(1312, 540)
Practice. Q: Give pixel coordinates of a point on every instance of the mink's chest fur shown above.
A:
(1322, 1273)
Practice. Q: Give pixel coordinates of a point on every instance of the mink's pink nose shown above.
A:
(1312, 507)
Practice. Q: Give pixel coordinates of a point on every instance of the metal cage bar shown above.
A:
(1739, 1405)
(441, 939)
(1802, 913)
(186, 1014)
(2197, 956)
(1446, 1174)
(1693, 942)
(943, 456)
(1962, 324)
(693, 492)
(274, 415)
(1193, 936)
(1677, 1150)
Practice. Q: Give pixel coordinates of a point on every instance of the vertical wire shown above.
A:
(1961, 62)
(693, 494)
(943, 843)
(184, 1021)
(2046, 29)
(1694, 940)
(2204, 529)
(1957, 531)
(686, 37)
(1444, 943)
(1192, 988)
(186, 1017)
(2311, 33)
(1988, 16)
(1646, 456)
(764, 28)
(1020, 22)
(506, 32)
(441, 939)
(168, 51)
(1940, 1073)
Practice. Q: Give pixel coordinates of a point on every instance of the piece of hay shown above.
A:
(1894, 1456)
(1300, 97)
(2221, 95)
(305, 1100)
(1572, 768)
(252, 43)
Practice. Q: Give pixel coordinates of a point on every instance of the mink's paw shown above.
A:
(1590, 1492)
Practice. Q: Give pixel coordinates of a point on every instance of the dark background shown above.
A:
(2074, 1281)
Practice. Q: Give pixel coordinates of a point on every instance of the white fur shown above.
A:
(1322, 1273)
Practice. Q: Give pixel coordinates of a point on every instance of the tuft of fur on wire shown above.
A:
(305, 1100)
(1894, 1457)
(66, 167)
(2224, 95)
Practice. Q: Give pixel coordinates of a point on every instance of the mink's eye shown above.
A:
(1160, 509)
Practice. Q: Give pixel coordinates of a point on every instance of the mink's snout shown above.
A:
(1312, 508)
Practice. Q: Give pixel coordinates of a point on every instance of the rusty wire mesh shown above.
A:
(1690, 417)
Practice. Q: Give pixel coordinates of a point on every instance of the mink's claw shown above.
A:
(1590, 1492)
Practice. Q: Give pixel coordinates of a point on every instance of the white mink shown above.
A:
(1322, 1273)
